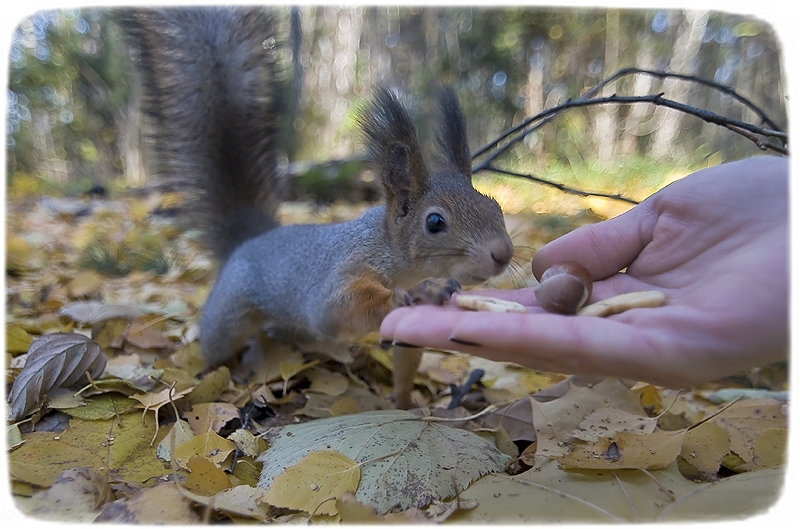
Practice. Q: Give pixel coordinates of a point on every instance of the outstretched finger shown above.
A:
(604, 248)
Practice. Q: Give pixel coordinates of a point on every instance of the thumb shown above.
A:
(604, 248)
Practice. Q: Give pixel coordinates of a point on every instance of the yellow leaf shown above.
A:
(206, 478)
(17, 339)
(162, 504)
(108, 334)
(328, 382)
(626, 450)
(345, 406)
(747, 419)
(704, 448)
(40, 459)
(315, 482)
(288, 370)
(208, 445)
(769, 449)
(179, 433)
(121, 444)
(211, 386)
(247, 443)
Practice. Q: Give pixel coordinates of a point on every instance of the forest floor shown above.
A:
(156, 438)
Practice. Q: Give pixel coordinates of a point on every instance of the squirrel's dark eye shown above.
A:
(435, 223)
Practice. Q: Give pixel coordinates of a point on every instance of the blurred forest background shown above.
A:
(73, 118)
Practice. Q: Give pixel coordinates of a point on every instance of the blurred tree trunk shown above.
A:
(331, 73)
(635, 124)
(605, 122)
(684, 53)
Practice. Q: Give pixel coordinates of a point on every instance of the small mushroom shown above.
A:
(564, 288)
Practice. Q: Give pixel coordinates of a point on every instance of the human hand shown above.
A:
(716, 244)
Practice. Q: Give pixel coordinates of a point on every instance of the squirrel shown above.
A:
(211, 85)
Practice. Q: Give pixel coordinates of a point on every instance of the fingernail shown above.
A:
(464, 342)
(403, 344)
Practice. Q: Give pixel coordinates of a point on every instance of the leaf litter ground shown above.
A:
(283, 436)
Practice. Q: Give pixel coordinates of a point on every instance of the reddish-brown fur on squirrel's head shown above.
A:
(440, 223)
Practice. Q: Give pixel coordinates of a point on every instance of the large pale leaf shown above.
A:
(406, 461)
(54, 361)
(547, 493)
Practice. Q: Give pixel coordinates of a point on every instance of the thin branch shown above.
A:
(655, 99)
(560, 187)
(755, 133)
(765, 120)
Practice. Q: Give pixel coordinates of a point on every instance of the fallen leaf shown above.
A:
(603, 423)
(211, 386)
(104, 406)
(17, 339)
(147, 334)
(208, 445)
(314, 483)
(704, 447)
(154, 401)
(13, 437)
(205, 477)
(54, 361)
(626, 450)
(179, 433)
(247, 443)
(732, 498)
(745, 420)
(74, 497)
(210, 416)
(130, 368)
(162, 504)
(405, 461)
(39, 462)
(85, 283)
(770, 449)
(328, 382)
(96, 311)
(243, 500)
(555, 421)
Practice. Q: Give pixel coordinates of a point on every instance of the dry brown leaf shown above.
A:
(154, 401)
(146, 334)
(242, 500)
(54, 361)
(162, 504)
(626, 450)
(210, 416)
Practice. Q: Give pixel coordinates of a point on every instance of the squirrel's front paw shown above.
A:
(431, 291)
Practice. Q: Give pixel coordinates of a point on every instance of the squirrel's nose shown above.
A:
(502, 251)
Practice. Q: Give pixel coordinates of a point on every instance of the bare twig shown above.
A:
(758, 134)
(560, 187)
(766, 121)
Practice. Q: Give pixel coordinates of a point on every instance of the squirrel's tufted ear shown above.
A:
(394, 150)
(453, 133)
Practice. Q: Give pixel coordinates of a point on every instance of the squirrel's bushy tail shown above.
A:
(212, 89)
